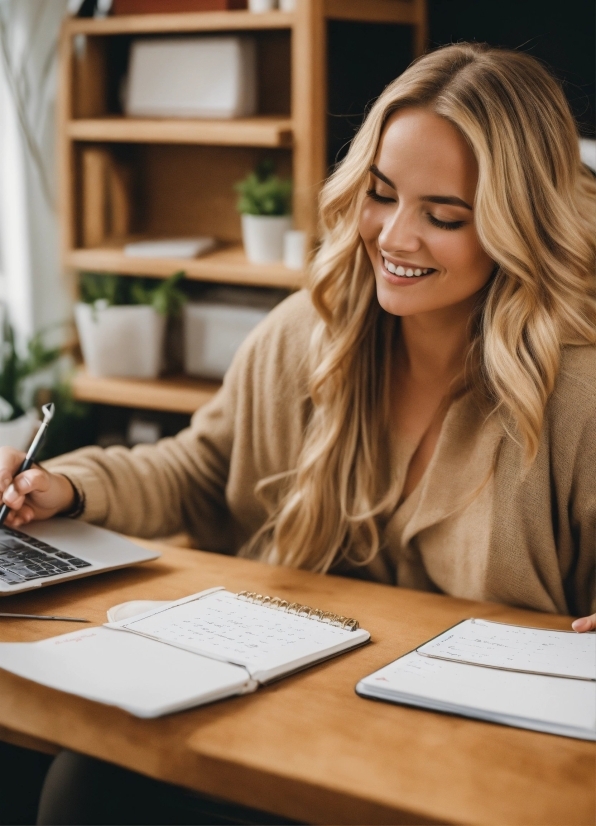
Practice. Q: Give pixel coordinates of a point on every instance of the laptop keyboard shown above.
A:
(23, 558)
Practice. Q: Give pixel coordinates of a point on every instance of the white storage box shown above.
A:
(121, 341)
(192, 77)
(212, 334)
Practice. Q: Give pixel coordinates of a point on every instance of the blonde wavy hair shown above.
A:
(534, 214)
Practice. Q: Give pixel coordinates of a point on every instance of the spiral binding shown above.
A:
(300, 610)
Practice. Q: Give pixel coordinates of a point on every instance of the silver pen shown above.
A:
(44, 617)
(36, 444)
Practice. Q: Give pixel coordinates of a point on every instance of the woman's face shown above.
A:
(417, 222)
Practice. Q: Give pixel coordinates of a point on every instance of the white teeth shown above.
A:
(408, 272)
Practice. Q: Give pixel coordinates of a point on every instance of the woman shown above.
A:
(426, 414)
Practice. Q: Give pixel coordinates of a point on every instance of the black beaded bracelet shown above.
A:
(78, 506)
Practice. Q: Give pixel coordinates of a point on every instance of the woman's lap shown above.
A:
(82, 790)
(22, 772)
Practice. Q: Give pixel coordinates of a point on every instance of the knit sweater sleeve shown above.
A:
(583, 520)
(181, 483)
(148, 490)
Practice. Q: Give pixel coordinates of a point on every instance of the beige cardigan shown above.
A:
(536, 542)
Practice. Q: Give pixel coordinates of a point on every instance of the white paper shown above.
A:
(262, 639)
(532, 650)
(141, 676)
(554, 704)
(170, 248)
(133, 608)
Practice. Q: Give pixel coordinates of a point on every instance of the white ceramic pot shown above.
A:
(121, 341)
(261, 6)
(19, 432)
(263, 237)
(287, 5)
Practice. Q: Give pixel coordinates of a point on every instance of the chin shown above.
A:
(394, 300)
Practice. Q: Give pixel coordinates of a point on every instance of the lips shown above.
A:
(407, 272)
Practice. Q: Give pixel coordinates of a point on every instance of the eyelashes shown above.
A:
(374, 195)
(448, 225)
(444, 224)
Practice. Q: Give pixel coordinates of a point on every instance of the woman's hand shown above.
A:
(34, 494)
(585, 623)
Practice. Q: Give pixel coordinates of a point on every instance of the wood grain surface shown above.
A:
(179, 394)
(307, 747)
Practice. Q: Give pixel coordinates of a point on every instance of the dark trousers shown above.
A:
(75, 789)
(22, 773)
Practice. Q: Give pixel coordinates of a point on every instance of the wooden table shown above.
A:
(307, 747)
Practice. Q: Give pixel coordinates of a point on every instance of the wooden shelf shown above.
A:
(381, 11)
(178, 394)
(193, 22)
(257, 131)
(227, 265)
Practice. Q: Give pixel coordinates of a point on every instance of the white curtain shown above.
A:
(31, 280)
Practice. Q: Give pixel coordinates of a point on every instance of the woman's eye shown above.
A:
(444, 224)
(381, 199)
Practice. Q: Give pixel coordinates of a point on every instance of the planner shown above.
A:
(531, 678)
(516, 648)
(173, 656)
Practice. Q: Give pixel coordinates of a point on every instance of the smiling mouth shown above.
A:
(407, 272)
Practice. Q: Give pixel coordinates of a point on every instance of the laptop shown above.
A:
(43, 553)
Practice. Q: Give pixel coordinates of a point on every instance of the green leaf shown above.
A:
(168, 299)
(163, 295)
(264, 193)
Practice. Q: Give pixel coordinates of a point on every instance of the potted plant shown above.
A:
(121, 323)
(265, 207)
(18, 416)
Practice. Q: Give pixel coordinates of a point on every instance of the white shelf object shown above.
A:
(192, 77)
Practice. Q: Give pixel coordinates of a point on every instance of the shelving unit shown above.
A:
(177, 394)
(226, 265)
(174, 177)
(260, 131)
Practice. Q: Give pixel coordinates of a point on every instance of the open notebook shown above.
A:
(526, 677)
(181, 654)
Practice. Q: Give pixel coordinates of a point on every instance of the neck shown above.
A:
(435, 344)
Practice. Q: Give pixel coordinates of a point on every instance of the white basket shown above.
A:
(121, 341)
(192, 77)
(213, 333)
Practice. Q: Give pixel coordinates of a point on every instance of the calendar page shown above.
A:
(218, 624)
(517, 648)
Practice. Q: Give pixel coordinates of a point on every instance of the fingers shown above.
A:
(21, 517)
(10, 462)
(13, 498)
(585, 624)
(31, 481)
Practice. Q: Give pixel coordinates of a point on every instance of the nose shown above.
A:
(400, 232)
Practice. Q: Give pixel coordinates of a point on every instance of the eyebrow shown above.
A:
(451, 200)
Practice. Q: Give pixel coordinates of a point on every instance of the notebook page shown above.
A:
(502, 696)
(533, 650)
(136, 674)
(226, 628)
